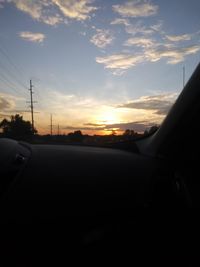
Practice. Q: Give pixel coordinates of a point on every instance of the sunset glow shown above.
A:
(96, 66)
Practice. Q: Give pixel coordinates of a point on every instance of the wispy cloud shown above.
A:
(6, 103)
(1, 3)
(33, 37)
(178, 38)
(136, 8)
(78, 10)
(159, 104)
(136, 126)
(102, 38)
(83, 128)
(39, 10)
(33, 8)
(118, 63)
(62, 102)
(9, 102)
(139, 28)
(53, 12)
(53, 19)
(157, 27)
(140, 41)
(94, 124)
(120, 21)
(173, 55)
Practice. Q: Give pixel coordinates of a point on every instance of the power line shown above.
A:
(2, 79)
(9, 83)
(13, 76)
(3, 51)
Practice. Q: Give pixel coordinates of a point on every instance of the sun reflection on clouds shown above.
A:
(92, 116)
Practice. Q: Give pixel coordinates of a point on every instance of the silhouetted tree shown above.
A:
(17, 127)
(76, 136)
(129, 132)
(113, 133)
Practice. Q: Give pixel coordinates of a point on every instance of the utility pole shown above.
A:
(58, 130)
(31, 106)
(51, 125)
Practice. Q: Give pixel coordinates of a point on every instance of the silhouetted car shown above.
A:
(131, 204)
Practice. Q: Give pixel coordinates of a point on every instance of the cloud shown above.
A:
(102, 38)
(78, 10)
(82, 128)
(94, 124)
(121, 21)
(140, 41)
(173, 55)
(136, 8)
(33, 8)
(53, 12)
(139, 28)
(118, 63)
(158, 26)
(62, 103)
(6, 104)
(159, 104)
(83, 33)
(1, 3)
(53, 20)
(39, 10)
(136, 126)
(178, 38)
(67, 109)
(32, 37)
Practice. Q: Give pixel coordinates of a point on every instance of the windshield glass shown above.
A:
(83, 70)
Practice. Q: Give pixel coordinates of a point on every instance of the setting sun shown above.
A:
(107, 115)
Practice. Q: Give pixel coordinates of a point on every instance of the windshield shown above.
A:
(83, 70)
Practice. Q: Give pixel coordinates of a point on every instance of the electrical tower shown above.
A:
(31, 105)
(51, 125)
(58, 133)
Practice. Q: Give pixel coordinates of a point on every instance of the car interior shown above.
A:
(127, 202)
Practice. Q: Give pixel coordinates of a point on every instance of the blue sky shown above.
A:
(96, 65)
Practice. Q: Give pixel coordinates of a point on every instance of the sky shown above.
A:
(96, 65)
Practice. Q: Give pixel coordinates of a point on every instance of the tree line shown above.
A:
(20, 129)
